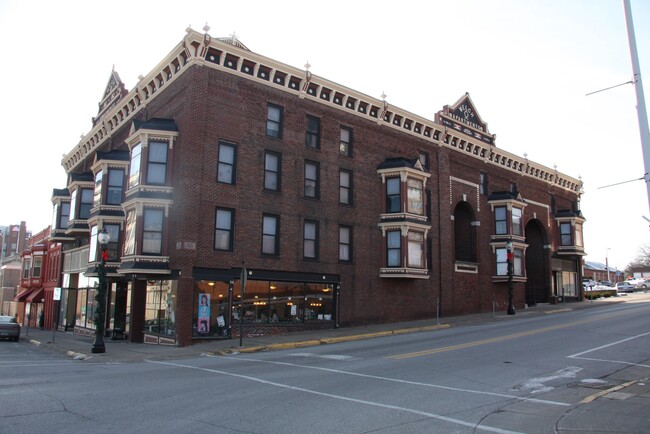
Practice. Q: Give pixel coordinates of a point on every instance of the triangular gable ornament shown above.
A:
(113, 93)
(462, 116)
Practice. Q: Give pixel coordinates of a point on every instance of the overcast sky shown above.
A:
(526, 64)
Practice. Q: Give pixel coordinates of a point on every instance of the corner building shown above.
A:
(241, 193)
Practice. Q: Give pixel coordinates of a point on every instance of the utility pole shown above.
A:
(640, 99)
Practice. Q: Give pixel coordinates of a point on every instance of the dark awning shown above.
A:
(23, 294)
(36, 296)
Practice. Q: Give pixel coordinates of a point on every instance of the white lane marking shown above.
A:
(621, 362)
(323, 356)
(539, 384)
(415, 383)
(344, 398)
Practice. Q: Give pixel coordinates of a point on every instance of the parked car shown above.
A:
(624, 287)
(606, 283)
(644, 284)
(588, 283)
(9, 328)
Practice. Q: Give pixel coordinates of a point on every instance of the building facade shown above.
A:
(241, 193)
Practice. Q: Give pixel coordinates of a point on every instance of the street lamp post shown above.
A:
(98, 346)
(511, 307)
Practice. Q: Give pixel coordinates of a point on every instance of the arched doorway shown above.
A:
(537, 285)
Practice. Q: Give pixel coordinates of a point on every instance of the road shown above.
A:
(551, 373)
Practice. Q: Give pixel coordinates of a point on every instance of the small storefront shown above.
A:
(270, 302)
(565, 280)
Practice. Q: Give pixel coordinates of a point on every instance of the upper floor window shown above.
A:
(578, 234)
(63, 216)
(274, 121)
(270, 235)
(516, 221)
(310, 240)
(483, 183)
(115, 187)
(393, 199)
(27, 265)
(501, 220)
(424, 159)
(134, 171)
(415, 249)
(565, 234)
(85, 203)
(157, 163)
(112, 248)
(345, 143)
(345, 243)
(464, 233)
(345, 187)
(152, 231)
(517, 261)
(312, 138)
(311, 179)
(97, 197)
(36, 269)
(129, 233)
(394, 248)
(227, 160)
(272, 171)
(415, 197)
(223, 232)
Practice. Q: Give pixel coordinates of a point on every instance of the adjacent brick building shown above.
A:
(224, 170)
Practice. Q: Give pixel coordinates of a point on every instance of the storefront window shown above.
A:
(264, 303)
(160, 308)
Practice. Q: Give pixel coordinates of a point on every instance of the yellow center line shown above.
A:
(491, 340)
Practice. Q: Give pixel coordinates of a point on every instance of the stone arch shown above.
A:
(537, 265)
(464, 233)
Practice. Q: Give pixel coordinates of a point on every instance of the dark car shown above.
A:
(624, 287)
(9, 328)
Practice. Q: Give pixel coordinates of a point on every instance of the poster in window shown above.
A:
(204, 313)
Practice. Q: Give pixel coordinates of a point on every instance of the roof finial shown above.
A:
(206, 28)
(234, 37)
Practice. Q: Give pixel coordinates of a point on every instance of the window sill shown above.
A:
(404, 273)
(466, 267)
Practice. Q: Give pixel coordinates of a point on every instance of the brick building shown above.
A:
(224, 171)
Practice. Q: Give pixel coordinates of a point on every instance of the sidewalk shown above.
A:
(79, 347)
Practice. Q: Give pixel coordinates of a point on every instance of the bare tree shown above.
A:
(642, 260)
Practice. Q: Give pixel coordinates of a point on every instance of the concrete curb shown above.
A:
(325, 341)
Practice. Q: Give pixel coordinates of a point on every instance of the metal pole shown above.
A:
(242, 280)
(640, 99)
(511, 307)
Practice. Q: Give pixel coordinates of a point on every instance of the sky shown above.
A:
(527, 65)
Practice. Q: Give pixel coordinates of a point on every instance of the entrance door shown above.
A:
(537, 286)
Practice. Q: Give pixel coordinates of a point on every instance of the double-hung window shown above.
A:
(115, 187)
(134, 171)
(312, 137)
(415, 249)
(270, 235)
(272, 171)
(311, 179)
(345, 143)
(415, 197)
(223, 232)
(565, 234)
(345, 243)
(394, 248)
(85, 203)
(157, 163)
(310, 240)
(36, 268)
(516, 221)
(227, 161)
(152, 233)
(501, 220)
(274, 121)
(393, 197)
(345, 187)
(64, 215)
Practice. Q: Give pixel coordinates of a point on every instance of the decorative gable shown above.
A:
(113, 93)
(462, 116)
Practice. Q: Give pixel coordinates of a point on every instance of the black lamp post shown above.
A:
(509, 248)
(98, 346)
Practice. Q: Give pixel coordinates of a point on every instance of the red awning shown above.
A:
(23, 294)
(36, 296)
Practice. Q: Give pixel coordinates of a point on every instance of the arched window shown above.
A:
(464, 233)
